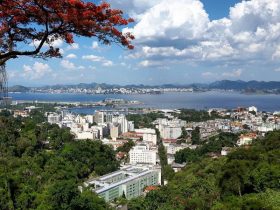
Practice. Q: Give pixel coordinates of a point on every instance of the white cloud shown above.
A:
(276, 54)
(12, 74)
(235, 73)
(102, 60)
(153, 64)
(71, 56)
(93, 58)
(95, 45)
(74, 46)
(181, 30)
(172, 20)
(92, 68)
(208, 74)
(107, 63)
(135, 8)
(81, 67)
(67, 65)
(37, 71)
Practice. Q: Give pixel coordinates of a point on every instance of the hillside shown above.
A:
(18, 88)
(238, 85)
(248, 178)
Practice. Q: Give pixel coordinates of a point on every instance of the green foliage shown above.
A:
(184, 134)
(214, 144)
(144, 120)
(168, 172)
(248, 178)
(126, 147)
(196, 136)
(186, 155)
(41, 166)
(192, 115)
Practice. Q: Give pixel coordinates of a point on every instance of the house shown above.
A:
(246, 139)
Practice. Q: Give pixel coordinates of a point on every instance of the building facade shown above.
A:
(130, 182)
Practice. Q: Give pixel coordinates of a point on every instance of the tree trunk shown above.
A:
(3, 84)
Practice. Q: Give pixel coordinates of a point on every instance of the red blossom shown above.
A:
(23, 21)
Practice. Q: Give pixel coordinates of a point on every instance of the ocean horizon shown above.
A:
(177, 100)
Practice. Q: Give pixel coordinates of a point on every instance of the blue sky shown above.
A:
(177, 41)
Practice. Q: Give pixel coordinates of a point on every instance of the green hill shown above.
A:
(248, 178)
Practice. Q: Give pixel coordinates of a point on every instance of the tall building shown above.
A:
(130, 181)
(109, 118)
(121, 119)
(142, 154)
(99, 117)
(169, 132)
(115, 131)
(130, 125)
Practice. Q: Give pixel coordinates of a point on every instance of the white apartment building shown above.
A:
(89, 118)
(99, 117)
(130, 126)
(121, 119)
(115, 131)
(149, 137)
(93, 134)
(142, 154)
(168, 132)
(145, 130)
(130, 180)
(54, 118)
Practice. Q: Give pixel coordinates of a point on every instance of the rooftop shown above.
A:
(125, 174)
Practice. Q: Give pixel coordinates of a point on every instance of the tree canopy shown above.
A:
(26, 26)
(248, 178)
(41, 166)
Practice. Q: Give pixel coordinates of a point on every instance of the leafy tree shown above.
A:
(126, 147)
(248, 178)
(168, 172)
(37, 175)
(184, 133)
(196, 136)
(186, 155)
(42, 22)
(88, 201)
(144, 120)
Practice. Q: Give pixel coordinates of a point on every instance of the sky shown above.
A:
(177, 42)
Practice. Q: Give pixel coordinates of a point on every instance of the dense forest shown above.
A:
(248, 178)
(41, 166)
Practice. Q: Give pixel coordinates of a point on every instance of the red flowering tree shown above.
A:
(23, 22)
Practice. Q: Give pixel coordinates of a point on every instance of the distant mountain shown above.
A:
(242, 85)
(238, 85)
(18, 88)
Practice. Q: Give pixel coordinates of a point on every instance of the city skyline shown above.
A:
(184, 42)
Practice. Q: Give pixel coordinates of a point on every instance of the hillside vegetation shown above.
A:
(41, 166)
(248, 178)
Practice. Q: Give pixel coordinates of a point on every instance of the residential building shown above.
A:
(141, 153)
(99, 117)
(115, 131)
(149, 137)
(129, 181)
(246, 139)
(54, 118)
